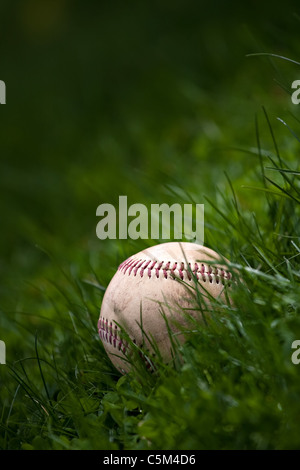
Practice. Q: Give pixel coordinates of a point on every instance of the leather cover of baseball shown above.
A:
(158, 284)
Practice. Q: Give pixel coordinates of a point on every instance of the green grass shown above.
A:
(231, 145)
(237, 387)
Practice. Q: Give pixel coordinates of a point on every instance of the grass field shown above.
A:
(163, 102)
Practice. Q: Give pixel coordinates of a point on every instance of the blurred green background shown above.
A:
(163, 102)
(124, 98)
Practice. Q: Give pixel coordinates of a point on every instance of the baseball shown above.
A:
(153, 293)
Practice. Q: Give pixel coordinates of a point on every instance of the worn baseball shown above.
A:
(153, 294)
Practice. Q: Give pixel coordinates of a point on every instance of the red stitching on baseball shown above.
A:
(203, 272)
(108, 335)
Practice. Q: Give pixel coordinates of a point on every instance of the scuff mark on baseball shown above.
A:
(155, 290)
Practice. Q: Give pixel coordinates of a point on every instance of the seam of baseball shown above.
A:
(201, 271)
(109, 334)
